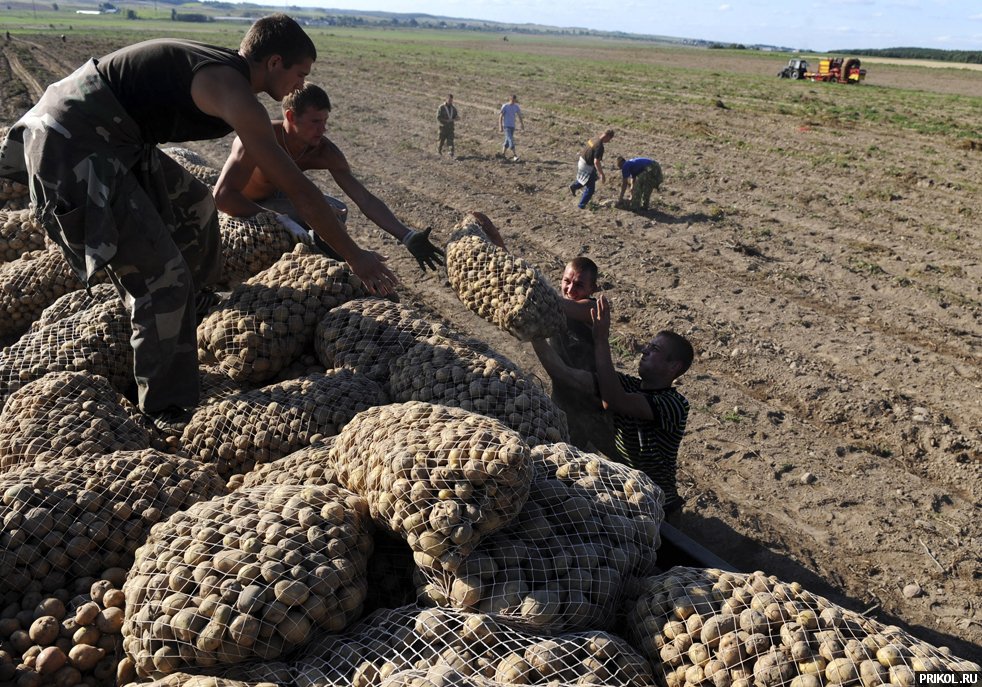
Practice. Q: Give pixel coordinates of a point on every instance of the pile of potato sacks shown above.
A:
(350, 452)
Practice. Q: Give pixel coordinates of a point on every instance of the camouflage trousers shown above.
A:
(114, 202)
(644, 184)
(446, 137)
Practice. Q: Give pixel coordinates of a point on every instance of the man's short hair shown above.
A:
(679, 348)
(619, 161)
(585, 265)
(609, 133)
(307, 97)
(277, 34)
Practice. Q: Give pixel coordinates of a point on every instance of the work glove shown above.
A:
(426, 254)
(296, 231)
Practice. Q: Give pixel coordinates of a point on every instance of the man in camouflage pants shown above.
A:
(643, 175)
(113, 201)
(120, 223)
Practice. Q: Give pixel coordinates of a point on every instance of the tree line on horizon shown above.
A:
(960, 56)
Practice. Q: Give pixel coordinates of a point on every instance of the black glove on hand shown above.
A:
(426, 254)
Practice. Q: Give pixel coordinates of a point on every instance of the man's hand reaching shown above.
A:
(426, 254)
(370, 268)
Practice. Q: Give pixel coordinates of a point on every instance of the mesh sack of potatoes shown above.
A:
(73, 302)
(470, 225)
(216, 385)
(453, 373)
(66, 415)
(366, 334)
(248, 576)
(504, 289)
(305, 364)
(439, 477)
(199, 167)
(20, 232)
(190, 680)
(709, 627)
(269, 320)
(477, 647)
(310, 466)
(254, 427)
(96, 340)
(251, 245)
(69, 518)
(588, 526)
(30, 284)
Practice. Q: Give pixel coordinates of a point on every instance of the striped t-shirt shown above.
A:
(652, 446)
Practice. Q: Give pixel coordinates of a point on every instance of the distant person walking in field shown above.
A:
(447, 114)
(589, 167)
(643, 175)
(510, 112)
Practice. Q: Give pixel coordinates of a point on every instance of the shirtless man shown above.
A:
(244, 190)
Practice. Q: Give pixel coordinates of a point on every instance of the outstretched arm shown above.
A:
(624, 182)
(418, 243)
(615, 398)
(223, 93)
(230, 189)
(579, 381)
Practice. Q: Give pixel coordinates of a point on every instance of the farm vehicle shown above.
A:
(830, 69)
(796, 69)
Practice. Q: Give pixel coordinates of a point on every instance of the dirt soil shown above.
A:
(836, 316)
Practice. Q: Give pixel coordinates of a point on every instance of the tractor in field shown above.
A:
(796, 69)
(838, 70)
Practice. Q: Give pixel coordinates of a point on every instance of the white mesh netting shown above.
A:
(68, 519)
(250, 575)
(95, 340)
(199, 167)
(563, 563)
(73, 302)
(20, 232)
(709, 627)
(465, 648)
(269, 320)
(31, 283)
(66, 415)
(310, 466)
(502, 288)
(442, 478)
(453, 373)
(366, 334)
(251, 245)
(249, 428)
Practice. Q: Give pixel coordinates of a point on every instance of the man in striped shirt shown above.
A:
(649, 413)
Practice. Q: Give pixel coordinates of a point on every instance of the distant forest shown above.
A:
(963, 56)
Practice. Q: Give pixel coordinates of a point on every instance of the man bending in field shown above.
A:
(243, 190)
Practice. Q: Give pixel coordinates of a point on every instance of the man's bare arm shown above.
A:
(371, 205)
(221, 92)
(229, 190)
(615, 397)
(580, 381)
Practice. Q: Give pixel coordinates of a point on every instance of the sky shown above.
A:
(818, 25)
